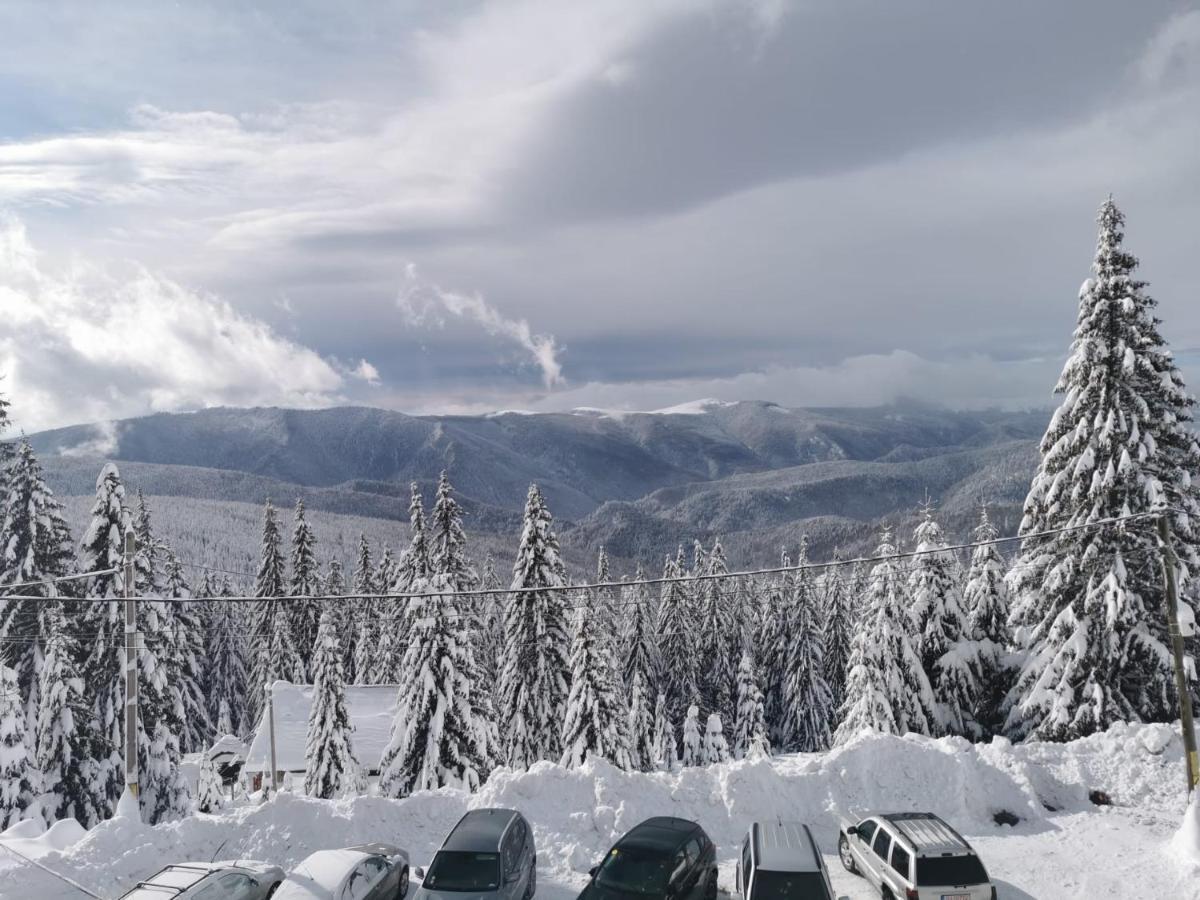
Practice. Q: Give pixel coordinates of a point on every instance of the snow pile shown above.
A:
(577, 814)
(1186, 842)
(29, 838)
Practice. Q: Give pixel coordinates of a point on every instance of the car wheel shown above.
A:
(531, 888)
(402, 891)
(710, 892)
(846, 856)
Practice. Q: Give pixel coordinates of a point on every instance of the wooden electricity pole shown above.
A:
(1170, 565)
(131, 675)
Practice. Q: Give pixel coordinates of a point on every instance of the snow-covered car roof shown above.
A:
(319, 875)
(172, 880)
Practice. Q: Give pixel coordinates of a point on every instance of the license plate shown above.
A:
(956, 897)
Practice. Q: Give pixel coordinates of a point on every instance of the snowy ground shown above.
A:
(1076, 850)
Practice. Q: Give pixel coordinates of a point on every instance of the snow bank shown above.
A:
(1186, 842)
(577, 814)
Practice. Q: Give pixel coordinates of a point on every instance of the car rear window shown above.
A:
(950, 870)
(788, 885)
(454, 870)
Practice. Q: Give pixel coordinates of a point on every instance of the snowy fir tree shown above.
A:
(608, 603)
(306, 582)
(210, 797)
(887, 688)
(716, 748)
(273, 645)
(675, 631)
(941, 626)
(186, 665)
(226, 684)
(715, 637)
(594, 724)
(436, 740)
(837, 627)
(666, 755)
(101, 550)
(387, 571)
(750, 731)
(448, 541)
(147, 563)
(491, 626)
(639, 725)
(36, 546)
(20, 781)
(637, 639)
(1086, 608)
(365, 613)
(415, 562)
(334, 585)
(693, 740)
(807, 701)
(985, 601)
(535, 672)
(772, 646)
(70, 788)
(332, 768)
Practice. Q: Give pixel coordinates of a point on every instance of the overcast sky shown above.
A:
(466, 206)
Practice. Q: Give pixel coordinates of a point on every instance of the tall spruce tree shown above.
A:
(535, 673)
(435, 741)
(272, 643)
(226, 684)
(887, 688)
(715, 748)
(675, 631)
(332, 768)
(306, 582)
(36, 546)
(366, 612)
(941, 626)
(640, 725)
(20, 780)
(102, 550)
(640, 650)
(595, 720)
(492, 627)
(70, 788)
(186, 665)
(1086, 608)
(837, 627)
(986, 602)
(716, 643)
(773, 647)
(750, 728)
(448, 542)
(807, 701)
(693, 740)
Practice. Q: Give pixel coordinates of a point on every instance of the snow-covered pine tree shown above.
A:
(666, 756)
(448, 541)
(185, 670)
(595, 720)
(492, 627)
(272, 645)
(102, 550)
(716, 748)
(640, 725)
(641, 652)
(675, 632)
(807, 702)
(535, 671)
(435, 739)
(334, 585)
(837, 627)
(20, 780)
(226, 682)
(941, 625)
(387, 571)
(415, 562)
(210, 797)
(332, 769)
(750, 731)
(70, 789)
(36, 546)
(306, 582)
(985, 600)
(773, 643)
(887, 688)
(693, 741)
(716, 638)
(608, 606)
(1086, 605)
(147, 564)
(366, 612)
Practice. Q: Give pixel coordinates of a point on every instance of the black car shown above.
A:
(662, 857)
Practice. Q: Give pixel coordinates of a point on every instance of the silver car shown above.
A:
(915, 856)
(243, 879)
(781, 861)
(489, 855)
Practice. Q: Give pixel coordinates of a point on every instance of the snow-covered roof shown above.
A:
(227, 745)
(371, 708)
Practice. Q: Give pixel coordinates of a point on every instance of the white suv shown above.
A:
(914, 856)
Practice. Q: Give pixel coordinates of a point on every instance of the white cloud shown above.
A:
(84, 344)
(366, 372)
(422, 303)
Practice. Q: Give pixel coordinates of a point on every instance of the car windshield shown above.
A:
(453, 870)
(788, 886)
(950, 870)
(635, 871)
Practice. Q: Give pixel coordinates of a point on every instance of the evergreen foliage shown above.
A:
(20, 781)
(715, 637)
(986, 602)
(750, 731)
(716, 748)
(807, 701)
(693, 741)
(837, 628)
(675, 632)
(306, 582)
(209, 795)
(273, 645)
(332, 769)
(640, 725)
(594, 724)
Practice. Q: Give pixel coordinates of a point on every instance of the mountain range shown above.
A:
(754, 474)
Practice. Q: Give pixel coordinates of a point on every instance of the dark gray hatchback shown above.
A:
(488, 855)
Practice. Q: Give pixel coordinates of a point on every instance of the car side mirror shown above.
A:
(853, 829)
(593, 870)
(419, 873)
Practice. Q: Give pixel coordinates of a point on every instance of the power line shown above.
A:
(47, 581)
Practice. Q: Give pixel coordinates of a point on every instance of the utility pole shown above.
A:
(1170, 564)
(131, 679)
(271, 731)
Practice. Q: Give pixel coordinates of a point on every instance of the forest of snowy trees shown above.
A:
(686, 666)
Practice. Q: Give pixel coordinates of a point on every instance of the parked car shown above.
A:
(365, 872)
(781, 861)
(661, 857)
(488, 855)
(243, 879)
(914, 856)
